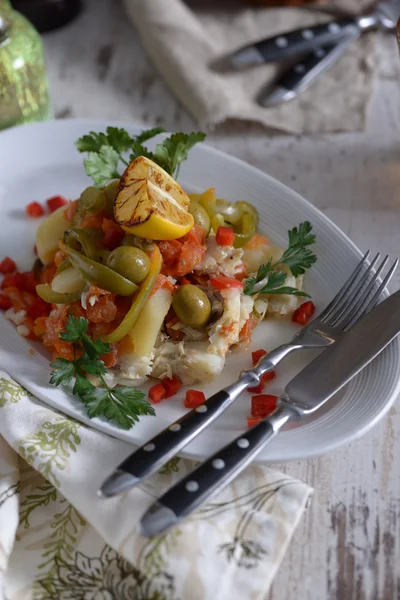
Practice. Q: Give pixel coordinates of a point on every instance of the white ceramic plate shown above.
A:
(40, 160)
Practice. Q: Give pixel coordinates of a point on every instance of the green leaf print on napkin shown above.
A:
(10, 391)
(50, 448)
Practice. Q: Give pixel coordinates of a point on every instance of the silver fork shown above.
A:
(358, 296)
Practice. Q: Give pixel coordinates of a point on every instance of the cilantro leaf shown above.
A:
(102, 166)
(121, 405)
(174, 150)
(75, 328)
(63, 372)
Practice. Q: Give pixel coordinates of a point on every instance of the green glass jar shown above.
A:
(24, 90)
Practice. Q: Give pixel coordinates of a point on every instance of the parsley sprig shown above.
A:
(298, 257)
(106, 150)
(121, 405)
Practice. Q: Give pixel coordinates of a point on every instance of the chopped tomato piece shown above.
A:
(55, 323)
(194, 398)
(162, 281)
(39, 308)
(241, 272)
(263, 405)
(303, 314)
(35, 210)
(257, 355)
(29, 281)
(14, 280)
(63, 350)
(260, 387)
(184, 281)
(225, 283)
(110, 358)
(103, 307)
(55, 202)
(170, 251)
(76, 309)
(171, 386)
(71, 209)
(225, 236)
(47, 273)
(157, 393)
(5, 302)
(181, 256)
(93, 221)
(252, 421)
(7, 265)
(113, 238)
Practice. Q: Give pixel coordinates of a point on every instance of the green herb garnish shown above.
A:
(106, 150)
(298, 257)
(121, 405)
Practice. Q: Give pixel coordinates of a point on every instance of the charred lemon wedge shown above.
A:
(150, 203)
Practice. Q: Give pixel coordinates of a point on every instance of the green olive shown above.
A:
(200, 216)
(92, 201)
(131, 263)
(192, 306)
(110, 191)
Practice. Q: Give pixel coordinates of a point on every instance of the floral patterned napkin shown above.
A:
(59, 541)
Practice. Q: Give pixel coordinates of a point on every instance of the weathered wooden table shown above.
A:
(348, 543)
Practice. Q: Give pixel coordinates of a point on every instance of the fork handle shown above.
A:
(150, 457)
(214, 474)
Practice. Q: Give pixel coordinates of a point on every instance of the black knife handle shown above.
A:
(306, 39)
(300, 76)
(217, 471)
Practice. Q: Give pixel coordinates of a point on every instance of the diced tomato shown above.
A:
(35, 210)
(194, 398)
(253, 421)
(225, 236)
(256, 241)
(113, 238)
(157, 393)
(40, 326)
(110, 358)
(170, 251)
(76, 309)
(303, 314)
(104, 308)
(5, 302)
(15, 296)
(55, 202)
(30, 282)
(55, 323)
(47, 273)
(184, 281)
(7, 265)
(241, 272)
(225, 283)
(171, 386)
(13, 280)
(39, 308)
(63, 350)
(162, 281)
(260, 387)
(70, 210)
(256, 355)
(262, 405)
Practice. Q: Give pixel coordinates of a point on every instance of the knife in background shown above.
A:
(298, 77)
(305, 394)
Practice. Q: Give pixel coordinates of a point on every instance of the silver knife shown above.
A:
(300, 76)
(305, 394)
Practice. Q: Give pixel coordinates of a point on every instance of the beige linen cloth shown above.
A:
(59, 541)
(182, 38)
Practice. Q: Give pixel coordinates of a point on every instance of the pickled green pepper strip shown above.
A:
(85, 239)
(139, 301)
(98, 274)
(46, 293)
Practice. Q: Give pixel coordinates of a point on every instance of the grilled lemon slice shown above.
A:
(150, 203)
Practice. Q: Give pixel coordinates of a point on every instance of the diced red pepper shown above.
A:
(157, 393)
(256, 355)
(194, 398)
(30, 282)
(253, 421)
(184, 281)
(35, 210)
(7, 265)
(260, 387)
(39, 308)
(225, 236)
(113, 238)
(263, 405)
(5, 302)
(171, 386)
(55, 202)
(225, 283)
(303, 314)
(14, 280)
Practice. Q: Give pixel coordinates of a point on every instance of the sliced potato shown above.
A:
(68, 281)
(49, 233)
(146, 329)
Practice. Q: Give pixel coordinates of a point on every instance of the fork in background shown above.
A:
(357, 297)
